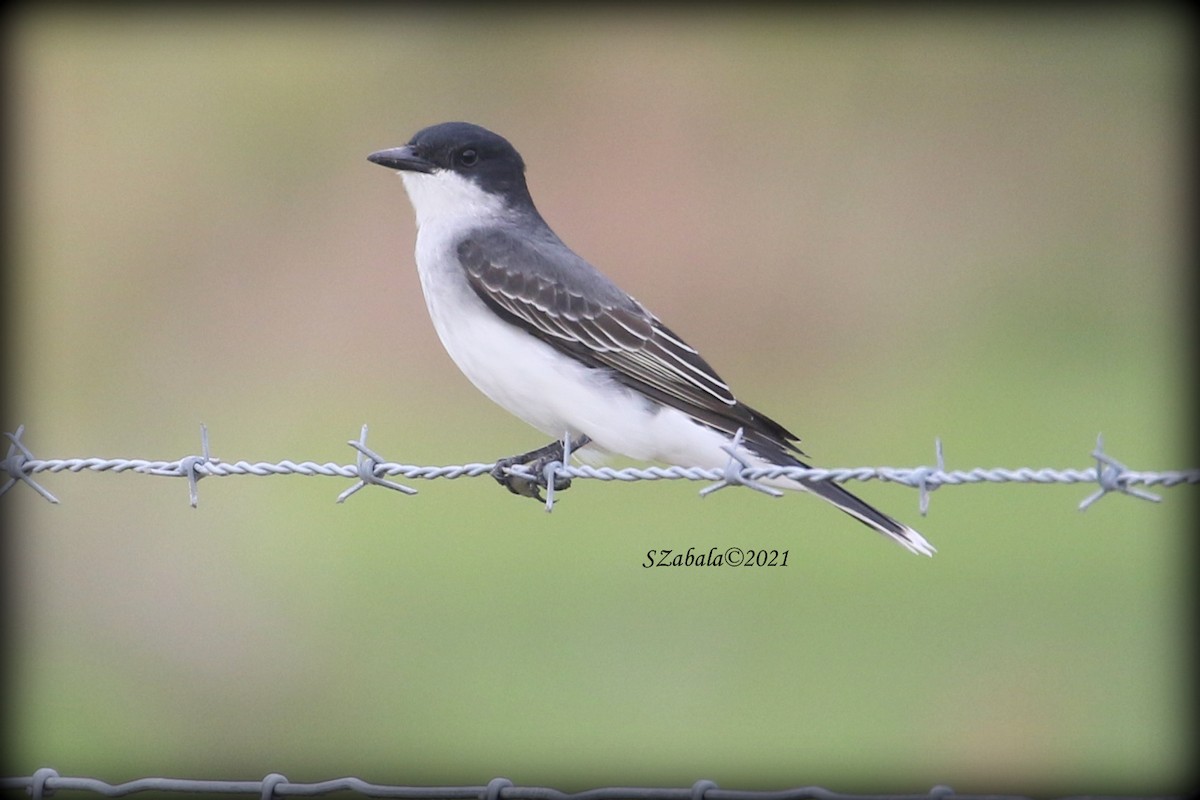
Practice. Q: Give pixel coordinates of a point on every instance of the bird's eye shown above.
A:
(468, 157)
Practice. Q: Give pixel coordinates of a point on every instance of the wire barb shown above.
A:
(270, 783)
(494, 787)
(922, 474)
(735, 469)
(38, 788)
(555, 468)
(191, 467)
(368, 462)
(15, 465)
(700, 787)
(1112, 476)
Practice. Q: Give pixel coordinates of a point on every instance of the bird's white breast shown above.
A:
(515, 370)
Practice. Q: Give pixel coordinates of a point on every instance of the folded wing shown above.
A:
(545, 288)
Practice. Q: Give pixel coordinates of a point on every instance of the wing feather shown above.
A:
(543, 287)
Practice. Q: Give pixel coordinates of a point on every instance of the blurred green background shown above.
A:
(880, 228)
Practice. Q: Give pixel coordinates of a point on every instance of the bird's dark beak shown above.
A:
(401, 158)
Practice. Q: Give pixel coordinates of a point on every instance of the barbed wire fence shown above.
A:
(46, 782)
(372, 469)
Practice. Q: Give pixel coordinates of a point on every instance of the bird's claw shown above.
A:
(535, 463)
(528, 485)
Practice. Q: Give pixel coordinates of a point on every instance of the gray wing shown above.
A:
(542, 286)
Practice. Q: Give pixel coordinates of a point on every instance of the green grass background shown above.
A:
(880, 227)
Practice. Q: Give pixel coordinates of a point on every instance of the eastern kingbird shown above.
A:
(542, 333)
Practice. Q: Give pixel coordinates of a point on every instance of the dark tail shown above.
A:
(870, 516)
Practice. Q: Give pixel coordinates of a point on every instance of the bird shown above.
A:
(549, 338)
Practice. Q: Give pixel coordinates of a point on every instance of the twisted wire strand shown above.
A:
(372, 469)
(46, 782)
(904, 475)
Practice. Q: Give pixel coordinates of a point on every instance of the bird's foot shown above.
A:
(535, 463)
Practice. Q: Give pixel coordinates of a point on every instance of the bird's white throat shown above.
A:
(445, 196)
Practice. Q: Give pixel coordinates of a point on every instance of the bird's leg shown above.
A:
(535, 461)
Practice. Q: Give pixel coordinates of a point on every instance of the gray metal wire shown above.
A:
(46, 782)
(371, 469)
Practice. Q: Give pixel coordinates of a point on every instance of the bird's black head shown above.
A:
(468, 150)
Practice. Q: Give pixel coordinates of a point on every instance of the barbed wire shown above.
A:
(372, 469)
(46, 782)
